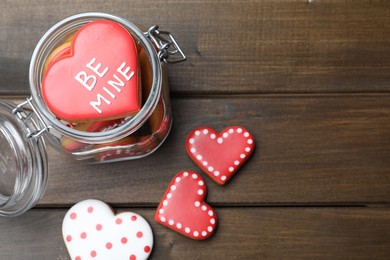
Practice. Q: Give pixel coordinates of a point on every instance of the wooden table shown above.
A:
(309, 79)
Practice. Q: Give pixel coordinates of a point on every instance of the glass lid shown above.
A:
(23, 163)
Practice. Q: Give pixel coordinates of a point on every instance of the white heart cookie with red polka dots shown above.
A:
(220, 155)
(91, 230)
(183, 209)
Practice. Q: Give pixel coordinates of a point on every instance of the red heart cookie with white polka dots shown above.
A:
(98, 80)
(220, 155)
(92, 231)
(183, 209)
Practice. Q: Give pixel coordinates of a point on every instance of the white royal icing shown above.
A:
(92, 231)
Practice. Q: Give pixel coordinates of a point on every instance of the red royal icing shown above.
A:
(183, 209)
(62, 53)
(220, 155)
(109, 245)
(99, 79)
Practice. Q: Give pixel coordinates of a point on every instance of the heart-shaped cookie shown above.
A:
(99, 79)
(61, 51)
(92, 231)
(220, 155)
(183, 209)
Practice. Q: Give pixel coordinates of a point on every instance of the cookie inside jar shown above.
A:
(98, 78)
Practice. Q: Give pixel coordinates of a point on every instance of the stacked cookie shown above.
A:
(98, 78)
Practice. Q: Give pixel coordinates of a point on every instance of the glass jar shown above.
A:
(25, 128)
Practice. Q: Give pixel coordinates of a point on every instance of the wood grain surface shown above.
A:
(235, 47)
(310, 150)
(310, 80)
(242, 233)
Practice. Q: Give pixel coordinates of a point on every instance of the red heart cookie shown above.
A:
(92, 231)
(183, 209)
(220, 155)
(99, 79)
(61, 51)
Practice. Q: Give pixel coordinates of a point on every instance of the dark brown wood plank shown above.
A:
(239, 46)
(270, 66)
(243, 233)
(329, 149)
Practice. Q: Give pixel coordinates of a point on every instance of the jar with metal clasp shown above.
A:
(26, 128)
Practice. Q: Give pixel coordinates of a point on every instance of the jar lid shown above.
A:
(23, 162)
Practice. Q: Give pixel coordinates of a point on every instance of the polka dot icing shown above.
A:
(91, 230)
(183, 209)
(220, 155)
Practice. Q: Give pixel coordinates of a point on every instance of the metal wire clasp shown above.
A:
(25, 114)
(168, 49)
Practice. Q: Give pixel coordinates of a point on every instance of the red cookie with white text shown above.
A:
(183, 208)
(91, 230)
(99, 79)
(220, 155)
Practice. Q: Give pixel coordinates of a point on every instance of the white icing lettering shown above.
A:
(117, 83)
(96, 104)
(109, 92)
(83, 78)
(96, 68)
(125, 73)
